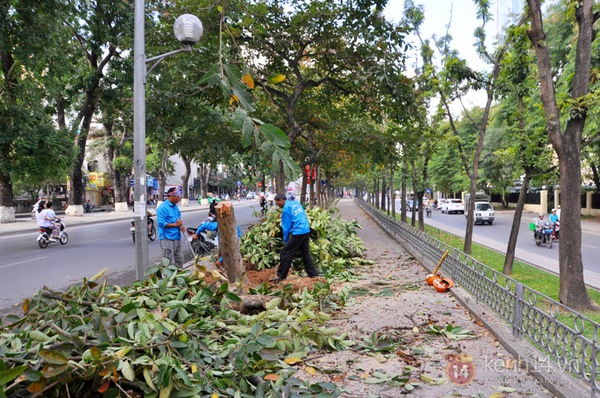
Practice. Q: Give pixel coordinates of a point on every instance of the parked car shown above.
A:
(250, 195)
(484, 213)
(424, 203)
(441, 203)
(453, 206)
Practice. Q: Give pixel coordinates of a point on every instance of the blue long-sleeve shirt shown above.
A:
(168, 213)
(213, 226)
(293, 220)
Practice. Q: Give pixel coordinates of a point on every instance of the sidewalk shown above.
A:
(27, 224)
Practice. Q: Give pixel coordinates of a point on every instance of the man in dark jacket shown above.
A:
(296, 236)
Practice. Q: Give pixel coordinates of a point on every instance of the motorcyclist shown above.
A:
(48, 215)
(41, 205)
(263, 204)
(553, 216)
(555, 223)
(540, 223)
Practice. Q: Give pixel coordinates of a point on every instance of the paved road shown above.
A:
(92, 246)
(496, 237)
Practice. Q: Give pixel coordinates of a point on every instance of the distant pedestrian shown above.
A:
(296, 236)
(170, 226)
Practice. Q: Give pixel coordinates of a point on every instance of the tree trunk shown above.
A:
(383, 190)
(403, 192)
(318, 186)
(392, 193)
(185, 178)
(572, 292)
(162, 174)
(279, 180)
(203, 177)
(229, 244)
(120, 181)
(7, 210)
(514, 230)
(77, 189)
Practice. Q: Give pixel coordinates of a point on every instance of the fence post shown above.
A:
(518, 310)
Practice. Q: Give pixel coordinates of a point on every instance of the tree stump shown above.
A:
(229, 244)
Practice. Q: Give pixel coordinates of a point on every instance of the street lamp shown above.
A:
(188, 30)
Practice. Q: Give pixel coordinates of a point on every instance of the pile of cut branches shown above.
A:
(174, 334)
(334, 244)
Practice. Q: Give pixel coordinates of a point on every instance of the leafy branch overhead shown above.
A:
(268, 137)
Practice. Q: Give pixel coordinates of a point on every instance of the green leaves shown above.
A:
(336, 247)
(170, 335)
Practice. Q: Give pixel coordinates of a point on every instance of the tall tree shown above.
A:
(295, 47)
(454, 80)
(567, 142)
(97, 30)
(32, 150)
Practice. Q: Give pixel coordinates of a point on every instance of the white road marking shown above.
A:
(121, 240)
(23, 262)
(590, 246)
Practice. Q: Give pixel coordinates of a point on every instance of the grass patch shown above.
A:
(535, 278)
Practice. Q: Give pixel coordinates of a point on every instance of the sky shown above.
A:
(460, 14)
(462, 17)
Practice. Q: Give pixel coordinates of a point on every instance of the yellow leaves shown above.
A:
(26, 305)
(293, 361)
(214, 395)
(247, 78)
(311, 371)
(233, 99)
(148, 378)
(53, 357)
(99, 275)
(271, 377)
(276, 79)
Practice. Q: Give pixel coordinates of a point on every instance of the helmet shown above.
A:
(540, 215)
(553, 210)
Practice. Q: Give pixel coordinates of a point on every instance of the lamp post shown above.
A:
(188, 30)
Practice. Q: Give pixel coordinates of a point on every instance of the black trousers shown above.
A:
(295, 243)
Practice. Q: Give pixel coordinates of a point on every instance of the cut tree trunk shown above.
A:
(229, 245)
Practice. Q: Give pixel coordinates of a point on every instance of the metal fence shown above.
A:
(565, 335)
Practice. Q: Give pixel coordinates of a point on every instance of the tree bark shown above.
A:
(383, 191)
(514, 230)
(120, 181)
(186, 176)
(403, 192)
(572, 291)
(229, 244)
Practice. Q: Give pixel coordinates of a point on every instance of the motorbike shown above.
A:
(88, 207)
(428, 211)
(44, 237)
(556, 233)
(151, 229)
(544, 236)
(205, 244)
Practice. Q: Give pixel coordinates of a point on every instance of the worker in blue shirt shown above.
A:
(212, 226)
(296, 236)
(170, 226)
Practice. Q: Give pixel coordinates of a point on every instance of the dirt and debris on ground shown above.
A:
(406, 331)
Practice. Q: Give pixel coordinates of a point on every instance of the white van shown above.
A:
(484, 213)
